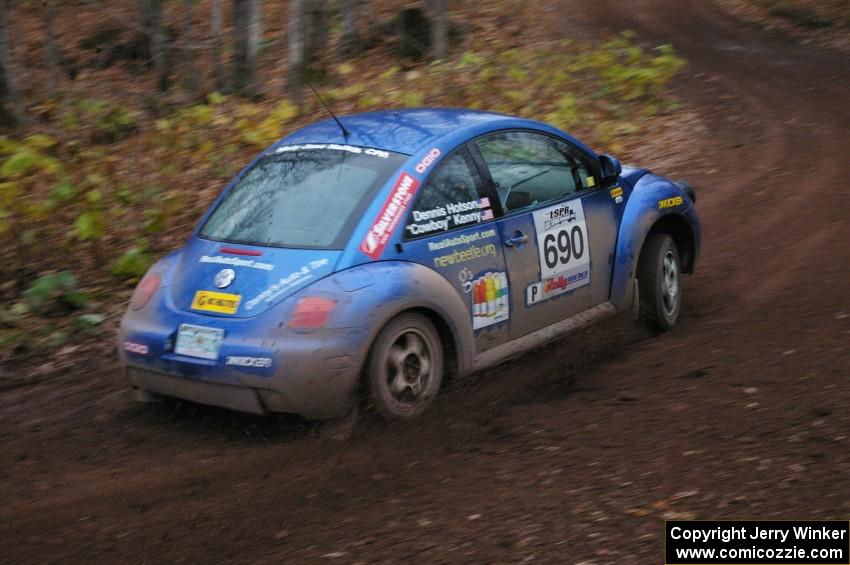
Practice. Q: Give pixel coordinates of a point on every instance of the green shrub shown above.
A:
(54, 290)
(133, 264)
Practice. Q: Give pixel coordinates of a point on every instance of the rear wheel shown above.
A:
(659, 281)
(405, 367)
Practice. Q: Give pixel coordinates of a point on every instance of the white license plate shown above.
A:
(198, 341)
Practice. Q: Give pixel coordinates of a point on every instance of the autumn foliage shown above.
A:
(94, 189)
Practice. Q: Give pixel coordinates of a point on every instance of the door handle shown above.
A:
(518, 239)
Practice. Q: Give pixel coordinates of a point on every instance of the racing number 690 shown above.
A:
(563, 247)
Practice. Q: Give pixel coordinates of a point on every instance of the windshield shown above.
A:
(307, 196)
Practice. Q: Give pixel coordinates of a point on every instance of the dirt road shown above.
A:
(571, 454)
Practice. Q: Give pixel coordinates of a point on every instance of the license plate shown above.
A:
(198, 341)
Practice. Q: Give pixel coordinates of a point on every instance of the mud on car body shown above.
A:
(417, 244)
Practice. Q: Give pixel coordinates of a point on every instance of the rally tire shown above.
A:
(405, 368)
(659, 275)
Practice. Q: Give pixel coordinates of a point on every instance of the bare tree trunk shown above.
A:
(150, 12)
(218, 75)
(350, 40)
(51, 51)
(191, 79)
(297, 64)
(246, 28)
(8, 92)
(308, 33)
(439, 29)
(319, 13)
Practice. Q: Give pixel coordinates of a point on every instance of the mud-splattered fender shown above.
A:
(652, 198)
(372, 294)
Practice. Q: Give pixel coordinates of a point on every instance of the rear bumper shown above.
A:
(314, 375)
(233, 397)
(325, 393)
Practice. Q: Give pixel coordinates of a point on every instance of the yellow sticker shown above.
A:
(216, 302)
(591, 182)
(616, 192)
(670, 202)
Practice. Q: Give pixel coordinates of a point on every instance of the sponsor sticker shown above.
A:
(135, 347)
(427, 160)
(670, 202)
(224, 278)
(490, 298)
(286, 283)
(255, 362)
(334, 147)
(617, 194)
(465, 277)
(462, 239)
(471, 253)
(382, 228)
(549, 288)
(236, 262)
(220, 302)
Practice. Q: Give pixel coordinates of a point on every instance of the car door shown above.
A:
(451, 229)
(557, 227)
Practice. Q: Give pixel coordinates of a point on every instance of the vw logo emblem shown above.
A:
(224, 278)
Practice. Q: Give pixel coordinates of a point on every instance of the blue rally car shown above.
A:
(377, 256)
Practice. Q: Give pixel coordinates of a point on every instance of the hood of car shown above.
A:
(241, 281)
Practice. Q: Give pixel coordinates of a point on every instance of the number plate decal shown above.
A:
(198, 341)
(564, 249)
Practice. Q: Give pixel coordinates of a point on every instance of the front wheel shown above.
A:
(659, 281)
(405, 367)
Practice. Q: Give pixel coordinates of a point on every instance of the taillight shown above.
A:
(311, 313)
(142, 294)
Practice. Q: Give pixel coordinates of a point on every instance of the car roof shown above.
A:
(402, 131)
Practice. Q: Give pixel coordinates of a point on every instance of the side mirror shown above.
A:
(611, 168)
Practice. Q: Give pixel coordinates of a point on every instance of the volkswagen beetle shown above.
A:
(376, 255)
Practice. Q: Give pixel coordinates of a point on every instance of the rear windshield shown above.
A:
(307, 196)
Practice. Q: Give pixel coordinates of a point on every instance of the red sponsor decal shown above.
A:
(387, 221)
(428, 160)
(555, 283)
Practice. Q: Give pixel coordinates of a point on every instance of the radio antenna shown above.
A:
(345, 132)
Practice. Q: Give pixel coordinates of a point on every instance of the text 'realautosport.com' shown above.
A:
(757, 543)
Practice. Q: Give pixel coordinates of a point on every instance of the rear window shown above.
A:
(307, 196)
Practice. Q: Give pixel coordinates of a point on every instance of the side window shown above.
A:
(451, 198)
(530, 168)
